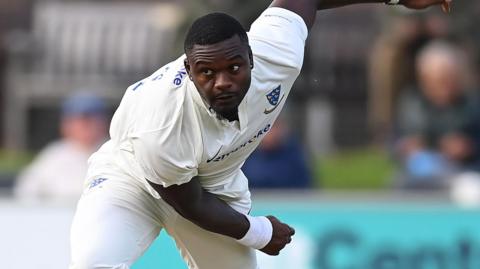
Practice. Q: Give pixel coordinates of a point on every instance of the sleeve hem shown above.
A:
(167, 184)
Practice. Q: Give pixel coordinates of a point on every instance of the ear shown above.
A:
(250, 57)
(186, 63)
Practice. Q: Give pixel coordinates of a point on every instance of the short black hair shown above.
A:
(213, 28)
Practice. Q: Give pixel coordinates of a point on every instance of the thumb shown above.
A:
(446, 6)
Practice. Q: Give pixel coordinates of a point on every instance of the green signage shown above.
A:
(360, 236)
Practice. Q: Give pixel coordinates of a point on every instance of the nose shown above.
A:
(223, 81)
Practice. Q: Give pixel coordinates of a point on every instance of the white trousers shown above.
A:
(117, 220)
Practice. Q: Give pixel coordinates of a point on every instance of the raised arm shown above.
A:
(307, 9)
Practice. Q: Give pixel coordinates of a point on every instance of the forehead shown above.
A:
(224, 50)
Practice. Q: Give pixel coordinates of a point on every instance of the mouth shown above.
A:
(225, 98)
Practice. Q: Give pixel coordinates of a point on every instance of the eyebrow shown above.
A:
(238, 56)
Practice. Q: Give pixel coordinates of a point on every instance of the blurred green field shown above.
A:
(365, 168)
(11, 162)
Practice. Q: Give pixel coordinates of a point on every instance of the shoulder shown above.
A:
(276, 21)
(278, 37)
(159, 100)
(53, 149)
(165, 82)
(411, 106)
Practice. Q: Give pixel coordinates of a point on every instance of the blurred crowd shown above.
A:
(422, 104)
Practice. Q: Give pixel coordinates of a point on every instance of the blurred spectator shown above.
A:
(58, 171)
(438, 123)
(279, 162)
(392, 62)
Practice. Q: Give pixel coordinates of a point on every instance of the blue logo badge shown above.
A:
(274, 99)
(96, 182)
(274, 95)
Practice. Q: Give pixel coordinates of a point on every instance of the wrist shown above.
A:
(259, 234)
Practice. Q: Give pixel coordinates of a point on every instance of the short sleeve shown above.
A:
(278, 36)
(167, 156)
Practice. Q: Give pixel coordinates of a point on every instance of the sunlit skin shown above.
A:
(221, 73)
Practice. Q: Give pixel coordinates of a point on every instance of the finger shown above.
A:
(446, 6)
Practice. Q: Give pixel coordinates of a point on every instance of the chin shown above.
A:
(225, 111)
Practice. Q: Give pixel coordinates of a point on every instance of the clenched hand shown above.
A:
(281, 236)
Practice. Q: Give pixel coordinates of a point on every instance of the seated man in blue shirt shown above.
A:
(279, 162)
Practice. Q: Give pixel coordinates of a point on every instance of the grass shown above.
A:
(13, 161)
(366, 168)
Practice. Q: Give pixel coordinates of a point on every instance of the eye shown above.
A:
(207, 72)
(235, 67)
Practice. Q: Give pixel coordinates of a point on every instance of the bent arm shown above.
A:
(204, 209)
(307, 8)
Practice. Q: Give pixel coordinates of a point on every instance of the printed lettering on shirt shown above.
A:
(159, 76)
(96, 182)
(261, 132)
(137, 85)
(162, 73)
(180, 76)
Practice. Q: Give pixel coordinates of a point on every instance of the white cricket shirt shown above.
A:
(164, 132)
